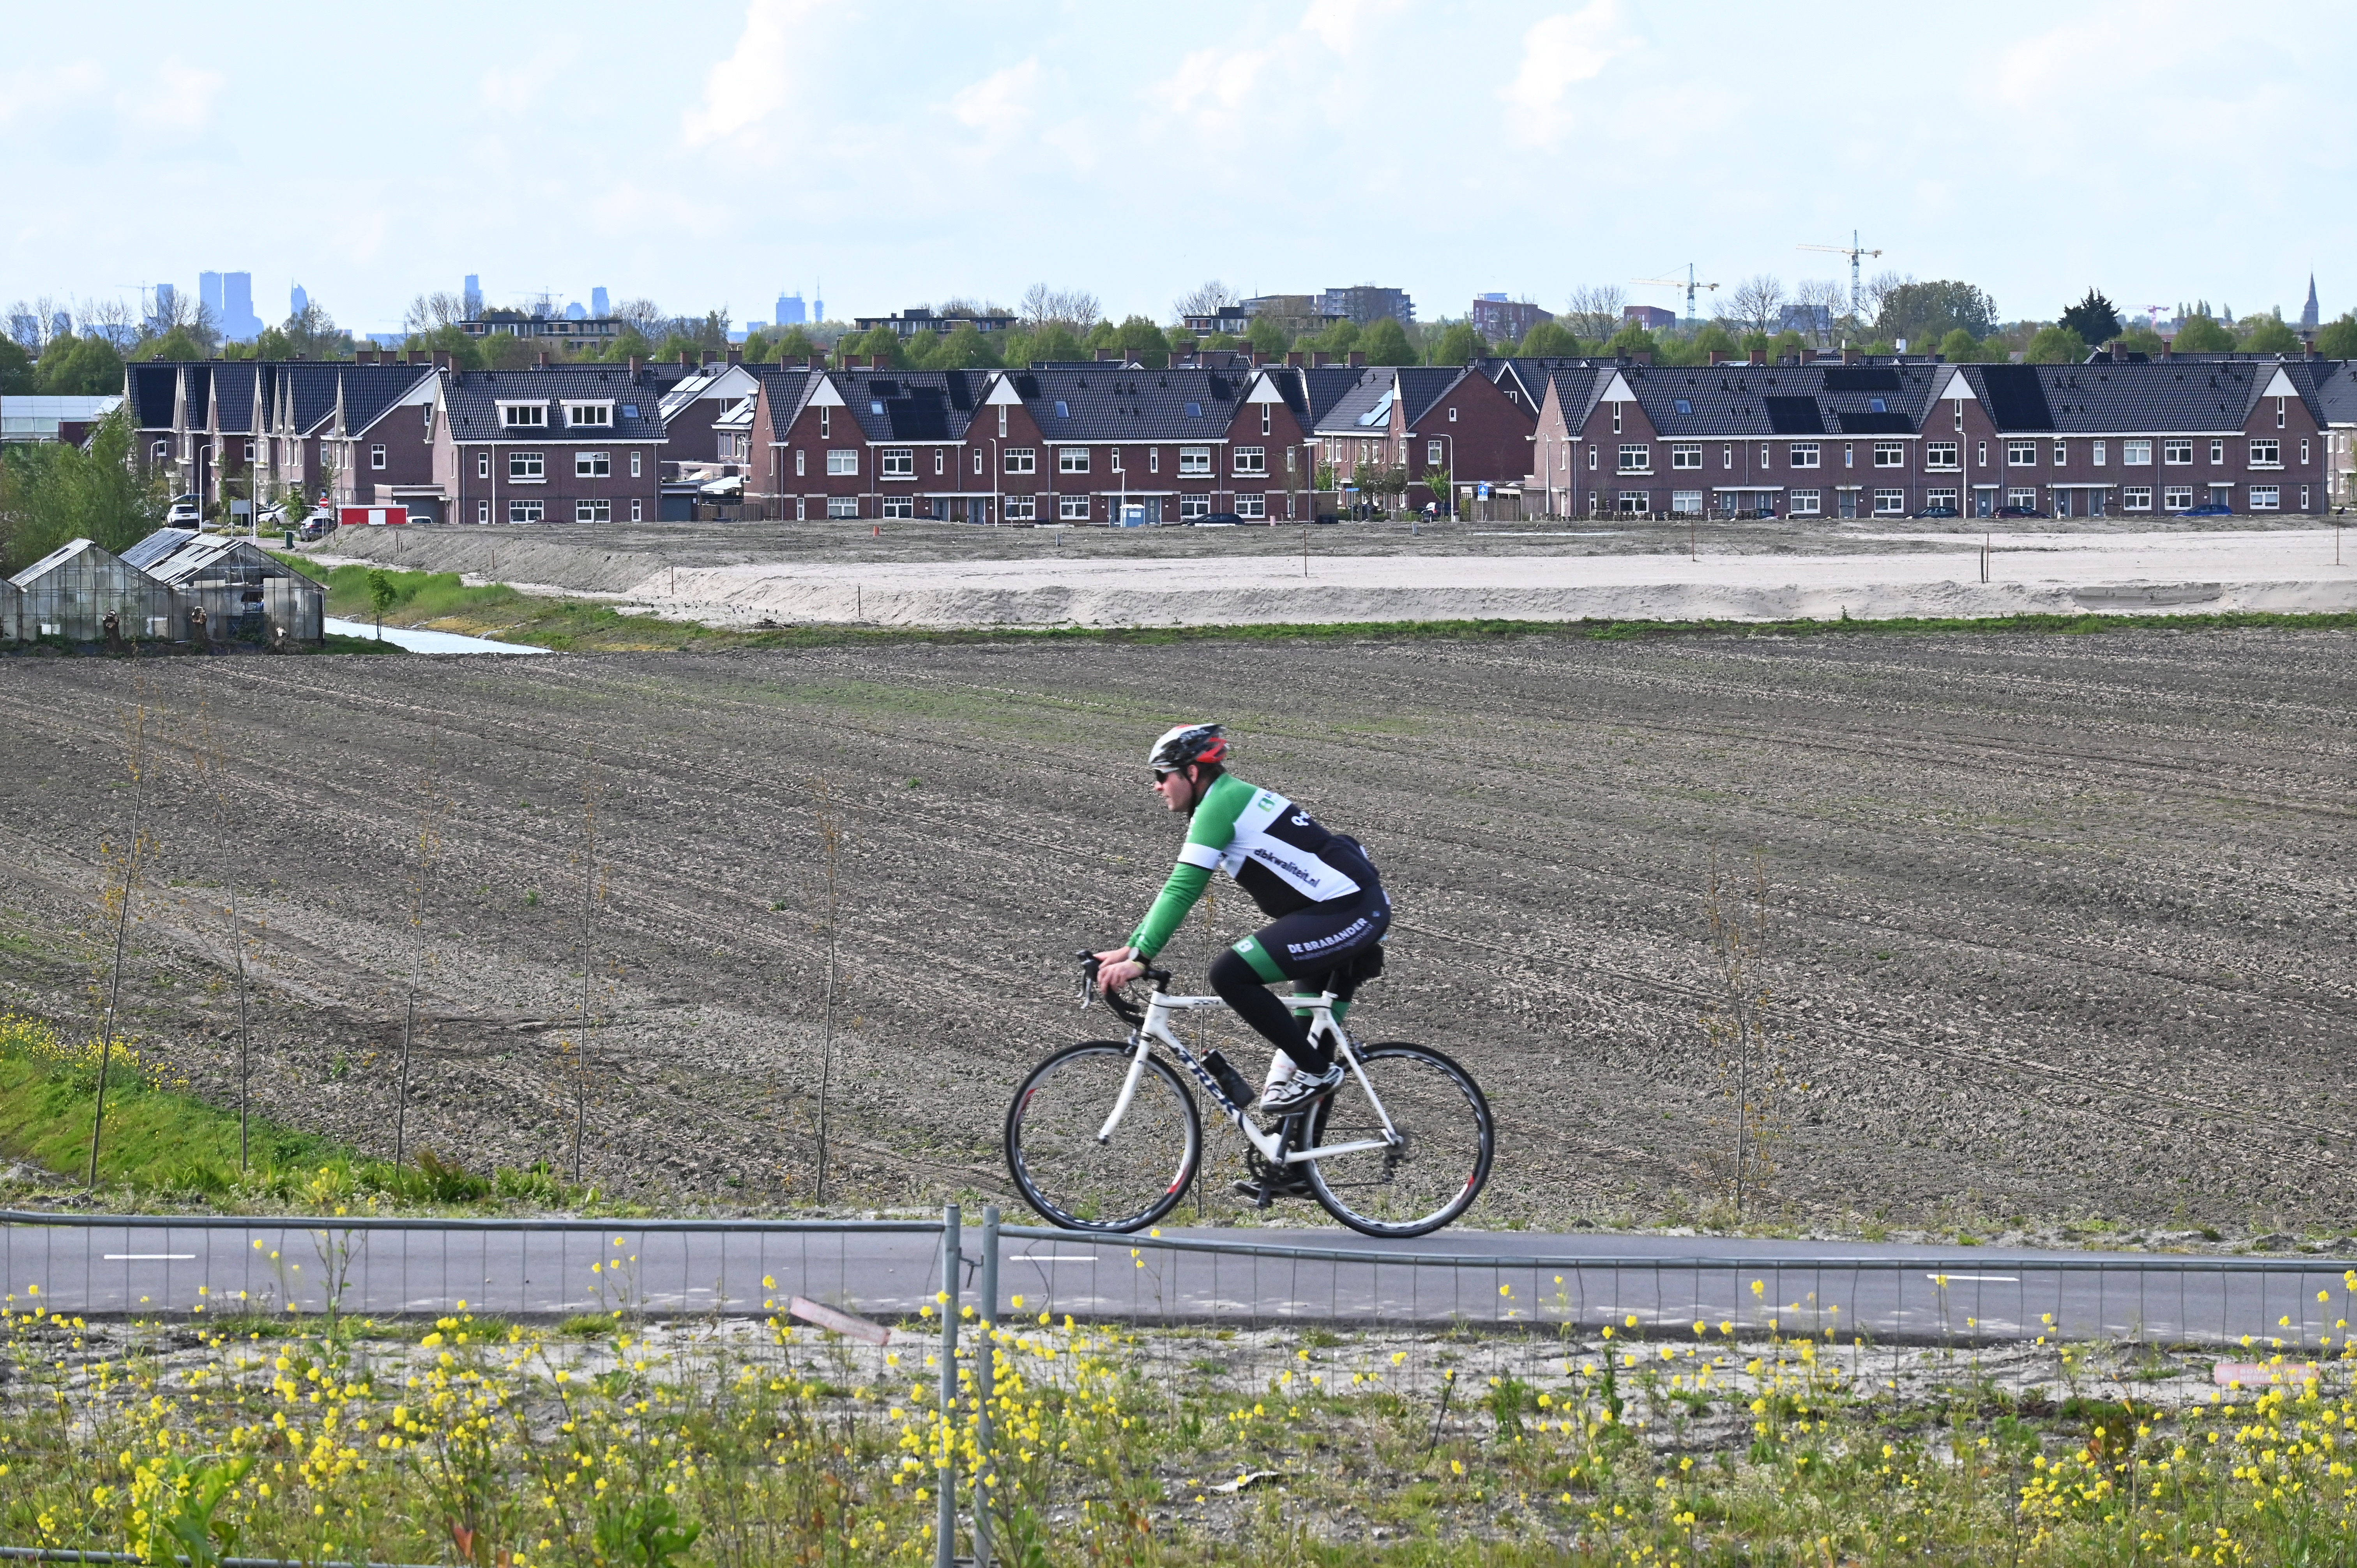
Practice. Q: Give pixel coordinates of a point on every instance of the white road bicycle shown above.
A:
(1104, 1135)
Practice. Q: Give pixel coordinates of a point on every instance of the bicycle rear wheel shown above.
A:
(1437, 1161)
(1129, 1180)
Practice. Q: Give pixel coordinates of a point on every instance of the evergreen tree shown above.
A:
(2094, 319)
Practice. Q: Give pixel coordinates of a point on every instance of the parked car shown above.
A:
(318, 525)
(2021, 511)
(1220, 519)
(1939, 511)
(2212, 509)
(184, 512)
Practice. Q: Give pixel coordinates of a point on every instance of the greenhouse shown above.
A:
(83, 593)
(243, 592)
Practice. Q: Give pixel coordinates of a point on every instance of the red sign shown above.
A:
(372, 516)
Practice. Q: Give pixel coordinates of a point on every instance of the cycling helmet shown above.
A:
(1186, 744)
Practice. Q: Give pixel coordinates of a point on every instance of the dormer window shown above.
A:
(524, 416)
(598, 414)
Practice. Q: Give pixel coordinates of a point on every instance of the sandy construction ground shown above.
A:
(940, 576)
(2058, 926)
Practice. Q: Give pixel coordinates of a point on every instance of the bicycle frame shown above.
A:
(1156, 1026)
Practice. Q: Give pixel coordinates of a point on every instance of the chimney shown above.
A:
(710, 356)
(818, 359)
(363, 356)
(2169, 347)
(686, 359)
(2308, 346)
(542, 363)
(1319, 361)
(636, 366)
(1358, 358)
(442, 361)
(1719, 355)
(1756, 357)
(1849, 355)
(2119, 352)
(736, 356)
(1105, 354)
(1292, 361)
(1808, 356)
(1643, 356)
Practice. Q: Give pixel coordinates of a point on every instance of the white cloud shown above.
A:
(1339, 24)
(179, 99)
(1000, 104)
(758, 78)
(1559, 51)
(1212, 84)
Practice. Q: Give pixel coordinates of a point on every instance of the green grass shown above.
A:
(161, 1141)
(418, 596)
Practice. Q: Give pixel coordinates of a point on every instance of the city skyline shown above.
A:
(1031, 148)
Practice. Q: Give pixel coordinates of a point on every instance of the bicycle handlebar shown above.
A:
(1128, 1012)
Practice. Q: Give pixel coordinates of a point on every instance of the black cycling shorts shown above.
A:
(1320, 939)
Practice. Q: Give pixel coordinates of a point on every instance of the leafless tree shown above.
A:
(35, 324)
(1758, 303)
(643, 317)
(112, 319)
(1074, 307)
(182, 312)
(1595, 311)
(1877, 288)
(1823, 296)
(429, 311)
(1203, 299)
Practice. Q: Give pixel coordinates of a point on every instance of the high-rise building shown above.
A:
(229, 301)
(1366, 302)
(791, 312)
(597, 304)
(168, 299)
(577, 311)
(818, 308)
(474, 298)
(297, 300)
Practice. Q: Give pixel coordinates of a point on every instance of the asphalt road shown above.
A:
(1256, 1278)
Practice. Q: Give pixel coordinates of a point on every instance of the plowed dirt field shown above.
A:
(2057, 925)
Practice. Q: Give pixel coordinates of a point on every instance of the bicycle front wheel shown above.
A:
(1084, 1182)
(1431, 1166)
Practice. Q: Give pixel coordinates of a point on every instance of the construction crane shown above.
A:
(1689, 285)
(2152, 313)
(1853, 252)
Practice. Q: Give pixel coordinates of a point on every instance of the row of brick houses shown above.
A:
(2113, 436)
(1113, 441)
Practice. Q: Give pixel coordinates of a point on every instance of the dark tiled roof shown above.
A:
(474, 397)
(2097, 398)
(912, 405)
(1364, 409)
(1120, 403)
(308, 392)
(370, 389)
(1323, 386)
(233, 390)
(152, 388)
(1421, 386)
(787, 392)
(1704, 401)
(2336, 390)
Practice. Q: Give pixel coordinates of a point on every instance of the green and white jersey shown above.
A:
(1276, 851)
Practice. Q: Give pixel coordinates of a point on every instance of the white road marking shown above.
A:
(150, 1258)
(1990, 1279)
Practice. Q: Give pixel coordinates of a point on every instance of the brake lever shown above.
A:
(1089, 967)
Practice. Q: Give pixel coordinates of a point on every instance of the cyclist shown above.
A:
(1331, 910)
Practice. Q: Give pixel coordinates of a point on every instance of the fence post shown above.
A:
(945, 1474)
(986, 1382)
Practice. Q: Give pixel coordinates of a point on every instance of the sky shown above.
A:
(720, 154)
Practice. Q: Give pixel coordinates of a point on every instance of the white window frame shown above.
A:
(1634, 457)
(941, 456)
(1194, 462)
(841, 461)
(1192, 507)
(2217, 449)
(1806, 503)
(376, 458)
(1022, 459)
(635, 514)
(2264, 497)
(2177, 498)
(2136, 454)
(527, 468)
(1072, 508)
(1942, 497)
(1685, 503)
(2025, 498)
(2097, 451)
(1686, 454)
(1254, 461)
(523, 416)
(593, 464)
(900, 507)
(589, 415)
(1803, 455)
(1074, 460)
(2062, 454)
(1944, 455)
(896, 462)
(2021, 455)
(483, 464)
(2266, 452)
(1890, 503)
(1252, 506)
(1432, 450)
(839, 507)
(1020, 508)
(2135, 497)
(521, 511)
(1890, 454)
(2177, 454)
(483, 510)
(593, 508)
